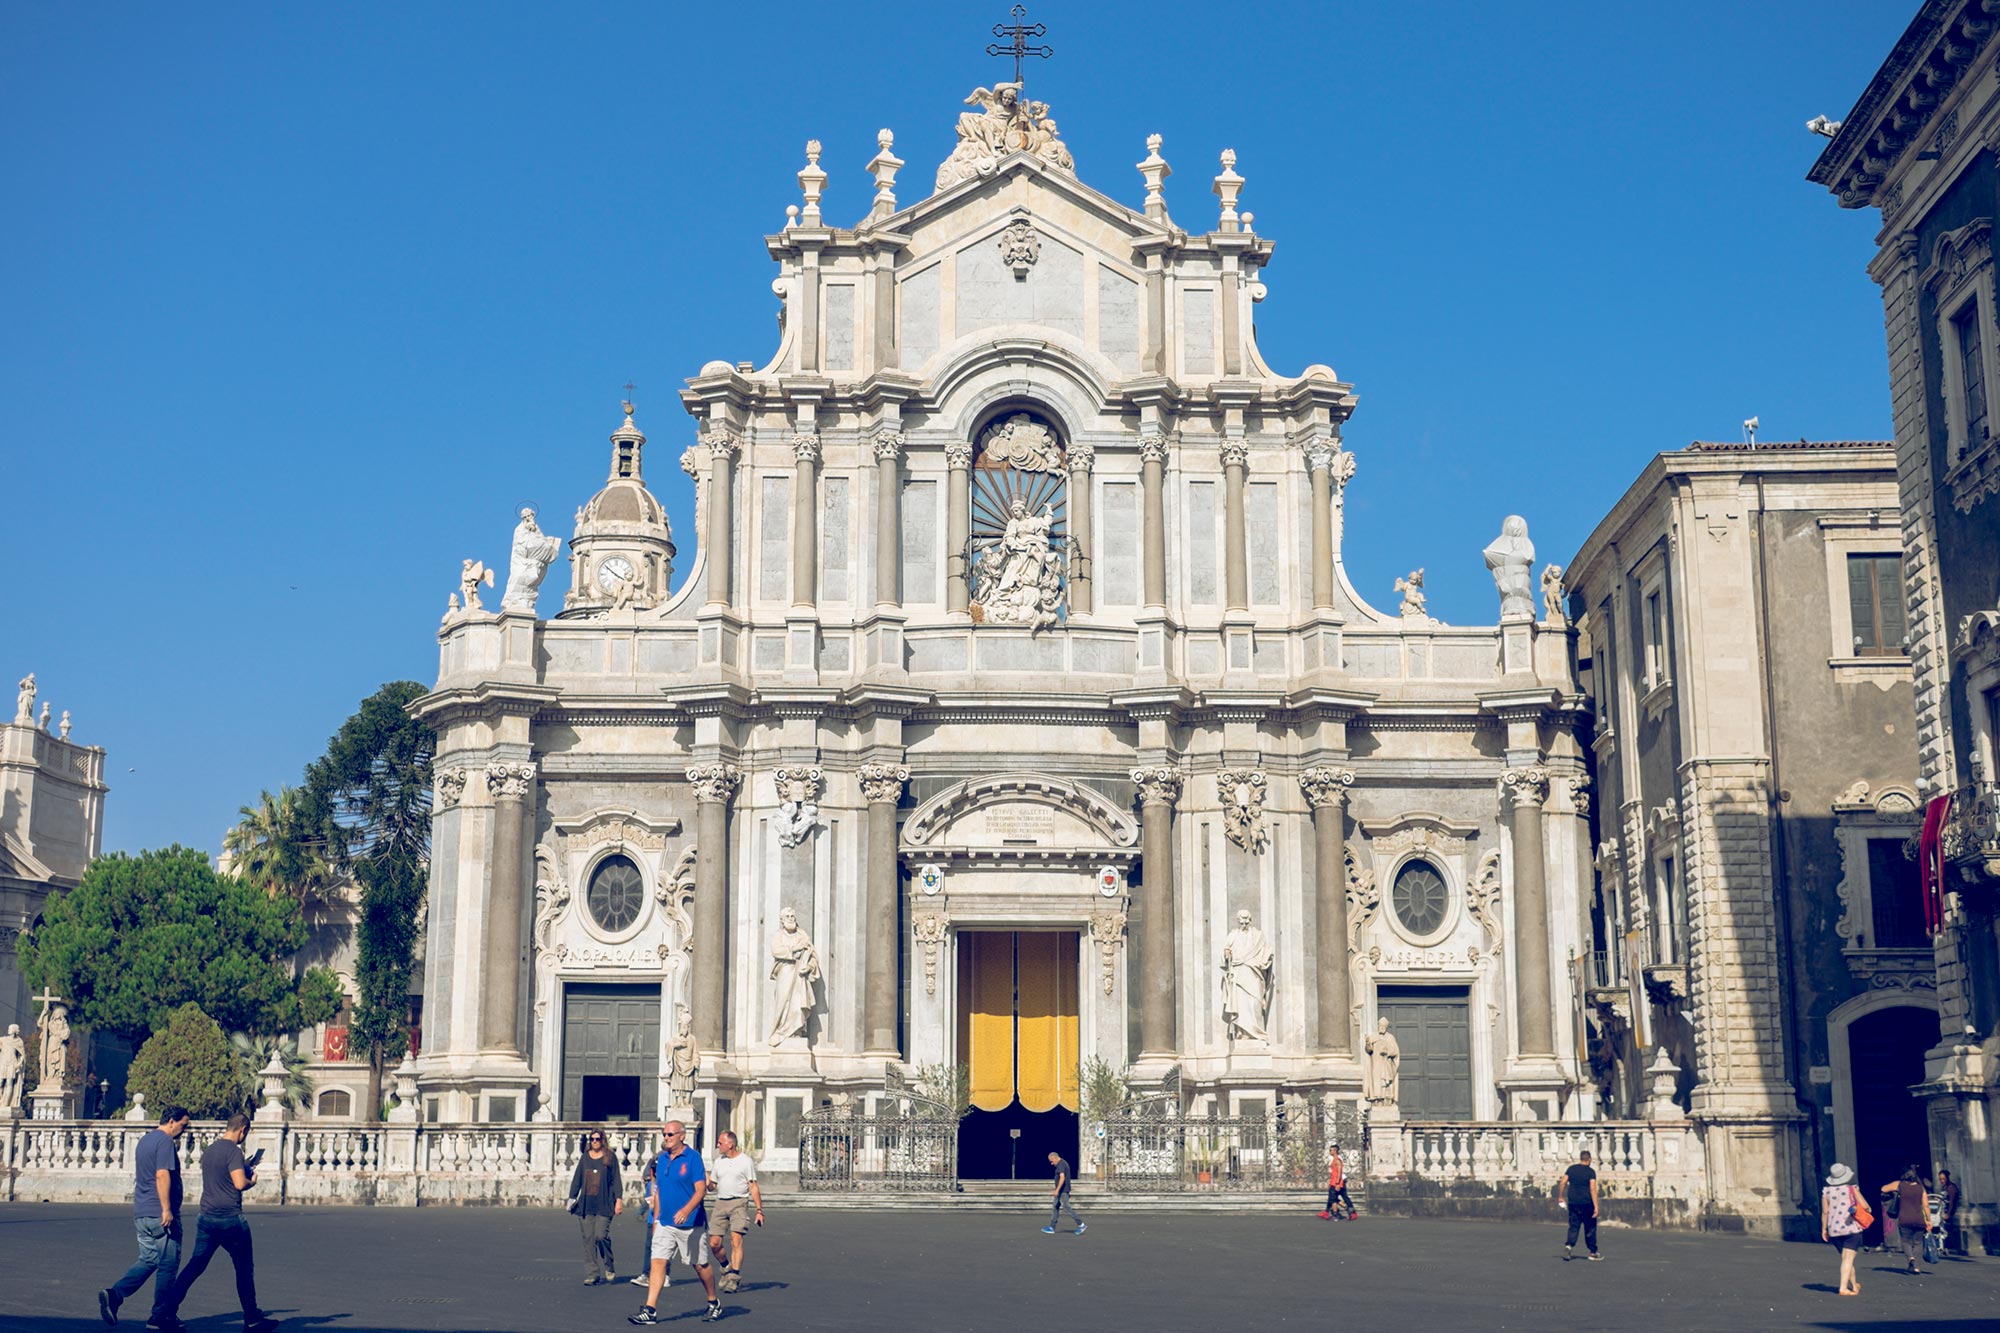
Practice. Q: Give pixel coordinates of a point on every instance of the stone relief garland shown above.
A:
(1242, 795)
(1364, 899)
(799, 791)
(1484, 903)
(1107, 929)
(930, 929)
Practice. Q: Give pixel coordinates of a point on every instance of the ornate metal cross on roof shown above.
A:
(1018, 34)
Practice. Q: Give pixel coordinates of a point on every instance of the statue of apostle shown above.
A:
(13, 1069)
(533, 550)
(1246, 979)
(1385, 1061)
(1509, 558)
(795, 967)
(55, 1047)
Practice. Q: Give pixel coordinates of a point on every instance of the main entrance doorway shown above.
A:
(1017, 1029)
(1885, 1056)
(611, 1052)
(1433, 1028)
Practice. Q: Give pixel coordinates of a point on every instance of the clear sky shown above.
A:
(297, 303)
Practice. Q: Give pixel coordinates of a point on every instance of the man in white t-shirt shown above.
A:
(734, 1200)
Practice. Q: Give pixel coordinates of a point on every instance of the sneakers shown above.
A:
(265, 1324)
(107, 1306)
(714, 1311)
(1595, 1256)
(639, 1280)
(1326, 1217)
(1048, 1231)
(593, 1281)
(1081, 1228)
(610, 1277)
(1569, 1252)
(647, 1315)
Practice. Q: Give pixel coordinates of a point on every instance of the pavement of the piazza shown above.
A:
(360, 1270)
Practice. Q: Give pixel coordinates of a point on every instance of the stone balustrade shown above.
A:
(1649, 1172)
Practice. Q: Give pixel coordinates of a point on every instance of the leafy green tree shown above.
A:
(371, 792)
(143, 935)
(187, 1063)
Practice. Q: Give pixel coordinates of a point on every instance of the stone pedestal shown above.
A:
(53, 1103)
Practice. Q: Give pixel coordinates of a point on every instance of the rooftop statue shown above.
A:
(1003, 124)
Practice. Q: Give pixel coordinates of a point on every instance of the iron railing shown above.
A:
(1155, 1147)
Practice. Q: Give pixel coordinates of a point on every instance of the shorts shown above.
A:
(1851, 1241)
(727, 1215)
(682, 1243)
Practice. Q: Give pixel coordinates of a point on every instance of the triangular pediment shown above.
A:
(1017, 179)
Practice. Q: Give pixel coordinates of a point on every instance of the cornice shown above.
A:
(505, 698)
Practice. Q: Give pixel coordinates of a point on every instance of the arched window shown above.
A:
(1019, 556)
(335, 1104)
(617, 892)
(1421, 898)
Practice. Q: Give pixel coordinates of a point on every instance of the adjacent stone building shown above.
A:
(1756, 914)
(1920, 145)
(1015, 710)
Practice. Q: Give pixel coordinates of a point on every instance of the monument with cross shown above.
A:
(53, 1098)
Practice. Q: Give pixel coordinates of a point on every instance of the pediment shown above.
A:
(1016, 811)
(1023, 182)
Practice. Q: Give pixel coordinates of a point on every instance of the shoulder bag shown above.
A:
(1864, 1216)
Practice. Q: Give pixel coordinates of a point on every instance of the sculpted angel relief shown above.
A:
(1004, 123)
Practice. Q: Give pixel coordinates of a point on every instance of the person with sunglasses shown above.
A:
(596, 1195)
(679, 1183)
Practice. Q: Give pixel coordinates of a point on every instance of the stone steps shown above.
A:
(1033, 1197)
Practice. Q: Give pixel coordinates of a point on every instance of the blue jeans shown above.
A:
(159, 1259)
(231, 1234)
(1061, 1207)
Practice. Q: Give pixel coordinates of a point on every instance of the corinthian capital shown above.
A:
(450, 787)
(1235, 453)
(509, 781)
(805, 446)
(882, 783)
(713, 782)
(1152, 447)
(1326, 786)
(1524, 787)
(957, 455)
(1081, 458)
(722, 444)
(1158, 786)
(889, 444)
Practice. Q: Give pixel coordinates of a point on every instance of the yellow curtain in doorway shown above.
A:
(1046, 984)
(988, 963)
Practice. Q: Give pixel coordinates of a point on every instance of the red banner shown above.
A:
(336, 1045)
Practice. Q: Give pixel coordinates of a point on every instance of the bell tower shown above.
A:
(622, 554)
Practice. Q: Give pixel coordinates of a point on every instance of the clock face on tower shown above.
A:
(613, 572)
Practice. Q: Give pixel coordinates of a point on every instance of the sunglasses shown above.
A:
(597, 1138)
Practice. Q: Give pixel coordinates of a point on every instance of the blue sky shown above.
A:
(300, 301)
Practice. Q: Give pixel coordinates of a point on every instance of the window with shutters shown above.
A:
(1875, 604)
(1971, 372)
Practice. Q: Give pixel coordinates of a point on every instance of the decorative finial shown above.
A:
(1017, 34)
(791, 216)
(812, 181)
(1154, 171)
(884, 166)
(1227, 186)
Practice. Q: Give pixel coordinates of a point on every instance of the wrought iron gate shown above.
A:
(905, 1141)
(1151, 1144)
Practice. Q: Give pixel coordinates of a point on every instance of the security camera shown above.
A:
(1822, 126)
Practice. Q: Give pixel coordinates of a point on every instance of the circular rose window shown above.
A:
(1421, 898)
(617, 892)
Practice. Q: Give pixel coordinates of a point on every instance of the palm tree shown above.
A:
(253, 1053)
(275, 848)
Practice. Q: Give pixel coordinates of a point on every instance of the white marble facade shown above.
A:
(1028, 675)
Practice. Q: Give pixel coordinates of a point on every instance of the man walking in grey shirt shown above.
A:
(225, 1174)
(1060, 1195)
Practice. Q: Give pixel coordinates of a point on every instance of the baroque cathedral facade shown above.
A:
(1015, 710)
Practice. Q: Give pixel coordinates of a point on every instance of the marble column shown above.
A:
(1081, 458)
(1524, 790)
(1326, 792)
(722, 446)
(1154, 906)
(882, 786)
(1319, 463)
(958, 527)
(1235, 464)
(1153, 479)
(888, 519)
(805, 520)
(714, 785)
(500, 983)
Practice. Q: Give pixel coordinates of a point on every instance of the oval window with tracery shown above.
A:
(1421, 898)
(617, 892)
(1019, 548)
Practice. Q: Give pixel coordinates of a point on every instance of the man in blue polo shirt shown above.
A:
(156, 1214)
(674, 1201)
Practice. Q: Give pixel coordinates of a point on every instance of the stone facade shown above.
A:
(1920, 145)
(1018, 606)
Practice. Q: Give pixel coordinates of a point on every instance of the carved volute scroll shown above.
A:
(1159, 785)
(1326, 786)
(713, 782)
(509, 781)
(1524, 786)
(882, 783)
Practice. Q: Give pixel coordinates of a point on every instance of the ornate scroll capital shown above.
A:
(1107, 932)
(713, 783)
(509, 781)
(1158, 786)
(1319, 451)
(450, 787)
(799, 784)
(958, 455)
(722, 444)
(805, 446)
(1152, 447)
(882, 783)
(1326, 786)
(1521, 787)
(1579, 794)
(1235, 453)
(1242, 793)
(1082, 458)
(888, 445)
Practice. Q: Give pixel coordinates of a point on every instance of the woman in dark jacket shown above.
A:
(1910, 1203)
(597, 1196)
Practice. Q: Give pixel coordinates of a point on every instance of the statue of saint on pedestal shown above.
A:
(533, 550)
(795, 967)
(55, 1045)
(1246, 980)
(1384, 1085)
(24, 702)
(13, 1069)
(1510, 557)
